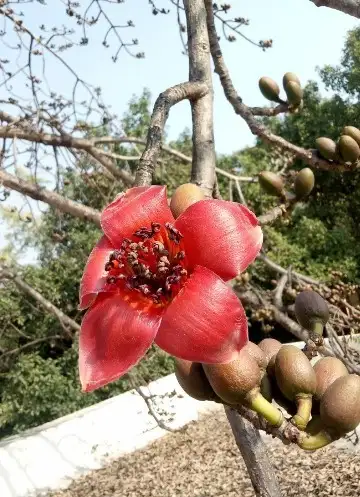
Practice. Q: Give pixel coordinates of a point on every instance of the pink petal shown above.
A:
(94, 277)
(222, 236)
(137, 207)
(114, 336)
(205, 322)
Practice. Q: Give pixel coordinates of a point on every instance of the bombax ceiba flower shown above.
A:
(152, 278)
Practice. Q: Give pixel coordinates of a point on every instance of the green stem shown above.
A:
(265, 388)
(259, 404)
(314, 425)
(317, 328)
(314, 442)
(303, 413)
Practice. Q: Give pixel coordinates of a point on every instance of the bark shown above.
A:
(54, 199)
(351, 7)
(191, 91)
(46, 304)
(204, 157)
(203, 174)
(67, 141)
(254, 452)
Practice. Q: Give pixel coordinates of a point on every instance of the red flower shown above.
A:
(153, 279)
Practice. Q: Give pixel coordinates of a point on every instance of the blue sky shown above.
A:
(304, 37)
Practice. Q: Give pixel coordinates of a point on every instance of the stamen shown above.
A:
(154, 269)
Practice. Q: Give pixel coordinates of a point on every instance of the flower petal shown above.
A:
(137, 207)
(205, 322)
(222, 236)
(94, 277)
(114, 336)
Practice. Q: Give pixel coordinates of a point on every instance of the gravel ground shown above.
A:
(203, 461)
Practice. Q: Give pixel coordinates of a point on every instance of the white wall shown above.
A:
(51, 455)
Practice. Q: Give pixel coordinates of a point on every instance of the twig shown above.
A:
(275, 267)
(46, 304)
(272, 215)
(147, 401)
(191, 91)
(278, 302)
(240, 193)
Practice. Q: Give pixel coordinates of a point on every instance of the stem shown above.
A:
(266, 388)
(314, 425)
(317, 330)
(254, 452)
(303, 414)
(259, 404)
(314, 442)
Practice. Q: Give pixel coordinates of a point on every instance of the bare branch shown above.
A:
(275, 267)
(191, 91)
(204, 157)
(269, 111)
(67, 141)
(278, 302)
(29, 344)
(46, 304)
(310, 157)
(272, 215)
(54, 199)
(253, 450)
(351, 7)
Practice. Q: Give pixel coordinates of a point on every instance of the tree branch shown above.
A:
(351, 7)
(310, 157)
(54, 199)
(65, 140)
(272, 215)
(254, 453)
(46, 304)
(191, 91)
(204, 157)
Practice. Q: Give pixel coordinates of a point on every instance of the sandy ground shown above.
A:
(203, 461)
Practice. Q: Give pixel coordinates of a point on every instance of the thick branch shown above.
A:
(67, 141)
(191, 91)
(351, 7)
(204, 157)
(54, 199)
(51, 308)
(310, 157)
(255, 455)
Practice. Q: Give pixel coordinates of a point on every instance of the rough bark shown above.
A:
(54, 199)
(192, 91)
(203, 174)
(204, 157)
(67, 141)
(351, 7)
(254, 452)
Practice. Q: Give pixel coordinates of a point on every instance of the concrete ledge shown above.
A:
(52, 455)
